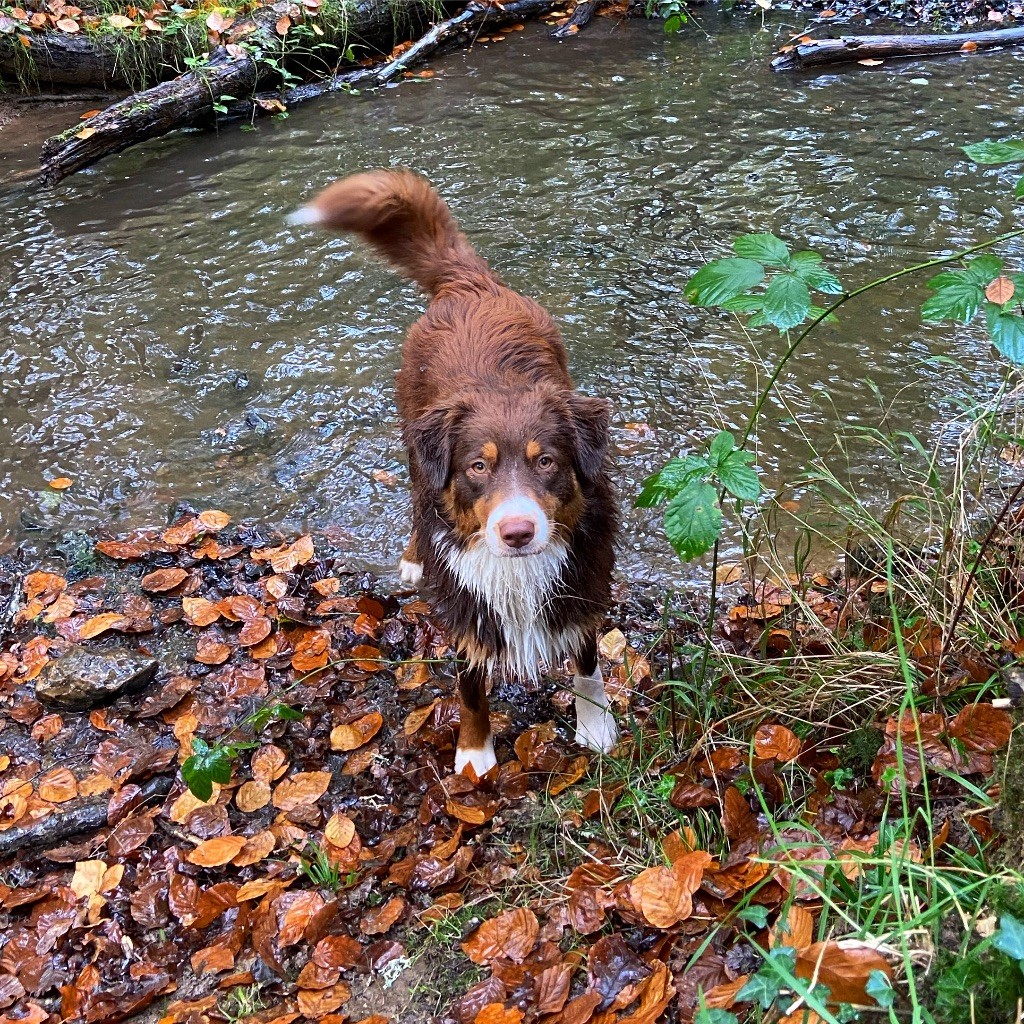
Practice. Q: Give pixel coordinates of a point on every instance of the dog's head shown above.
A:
(509, 468)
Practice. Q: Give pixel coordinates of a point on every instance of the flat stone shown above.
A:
(81, 679)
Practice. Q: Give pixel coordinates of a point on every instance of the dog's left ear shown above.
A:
(431, 438)
(430, 443)
(590, 418)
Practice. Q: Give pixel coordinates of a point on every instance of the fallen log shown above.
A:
(192, 100)
(55, 58)
(75, 818)
(809, 54)
(251, 58)
(578, 20)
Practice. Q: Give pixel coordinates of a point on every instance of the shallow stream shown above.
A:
(166, 336)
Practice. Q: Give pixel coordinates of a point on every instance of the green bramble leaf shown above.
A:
(1018, 189)
(743, 304)
(738, 478)
(989, 152)
(787, 301)
(721, 445)
(693, 520)
(279, 712)
(807, 266)
(1006, 331)
(205, 766)
(764, 248)
(982, 269)
(670, 479)
(722, 280)
(957, 297)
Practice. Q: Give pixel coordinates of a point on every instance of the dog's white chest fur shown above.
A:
(516, 591)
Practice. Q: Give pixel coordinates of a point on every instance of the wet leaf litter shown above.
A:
(307, 845)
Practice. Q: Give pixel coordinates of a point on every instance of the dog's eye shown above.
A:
(479, 466)
(545, 462)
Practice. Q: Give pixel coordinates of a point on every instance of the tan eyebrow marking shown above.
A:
(490, 451)
(532, 449)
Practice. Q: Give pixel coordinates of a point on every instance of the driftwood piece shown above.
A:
(817, 53)
(189, 101)
(578, 20)
(75, 818)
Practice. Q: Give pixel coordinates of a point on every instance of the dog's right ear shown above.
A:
(430, 440)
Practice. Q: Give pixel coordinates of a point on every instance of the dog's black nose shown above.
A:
(516, 532)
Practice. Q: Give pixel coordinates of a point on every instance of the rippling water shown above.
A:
(166, 336)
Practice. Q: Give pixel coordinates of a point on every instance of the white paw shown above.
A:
(410, 573)
(595, 726)
(482, 758)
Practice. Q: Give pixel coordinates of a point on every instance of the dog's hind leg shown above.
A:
(476, 745)
(410, 566)
(595, 724)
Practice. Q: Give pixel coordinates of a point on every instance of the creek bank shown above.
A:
(334, 853)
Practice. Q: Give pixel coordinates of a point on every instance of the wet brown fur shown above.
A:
(484, 376)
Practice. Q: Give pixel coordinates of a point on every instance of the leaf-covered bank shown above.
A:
(279, 836)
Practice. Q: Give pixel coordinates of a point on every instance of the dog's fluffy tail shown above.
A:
(399, 214)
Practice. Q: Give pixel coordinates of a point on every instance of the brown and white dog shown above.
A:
(514, 517)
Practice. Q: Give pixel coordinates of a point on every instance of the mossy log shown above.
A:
(190, 100)
(811, 54)
(117, 60)
(111, 61)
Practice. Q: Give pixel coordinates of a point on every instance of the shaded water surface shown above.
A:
(165, 336)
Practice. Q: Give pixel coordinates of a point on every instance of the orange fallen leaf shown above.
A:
(163, 579)
(256, 849)
(844, 966)
(252, 795)
(663, 895)
(355, 734)
(776, 742)
(211, 652)
(287, 556)
(340, 830)
(511, 935)
(61, 483)
(199, 611)
(58, 785)
(380, 919)
(269, 763)
(213, 853)
(101, 623)
(301, 788)
(214, 520)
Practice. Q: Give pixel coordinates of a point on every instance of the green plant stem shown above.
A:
(843, 299)
(709, 639)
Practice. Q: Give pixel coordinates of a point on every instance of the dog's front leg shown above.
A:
(595, 724)
(476, 746)
(410, 566)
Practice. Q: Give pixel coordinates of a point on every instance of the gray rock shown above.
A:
(81, 679)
